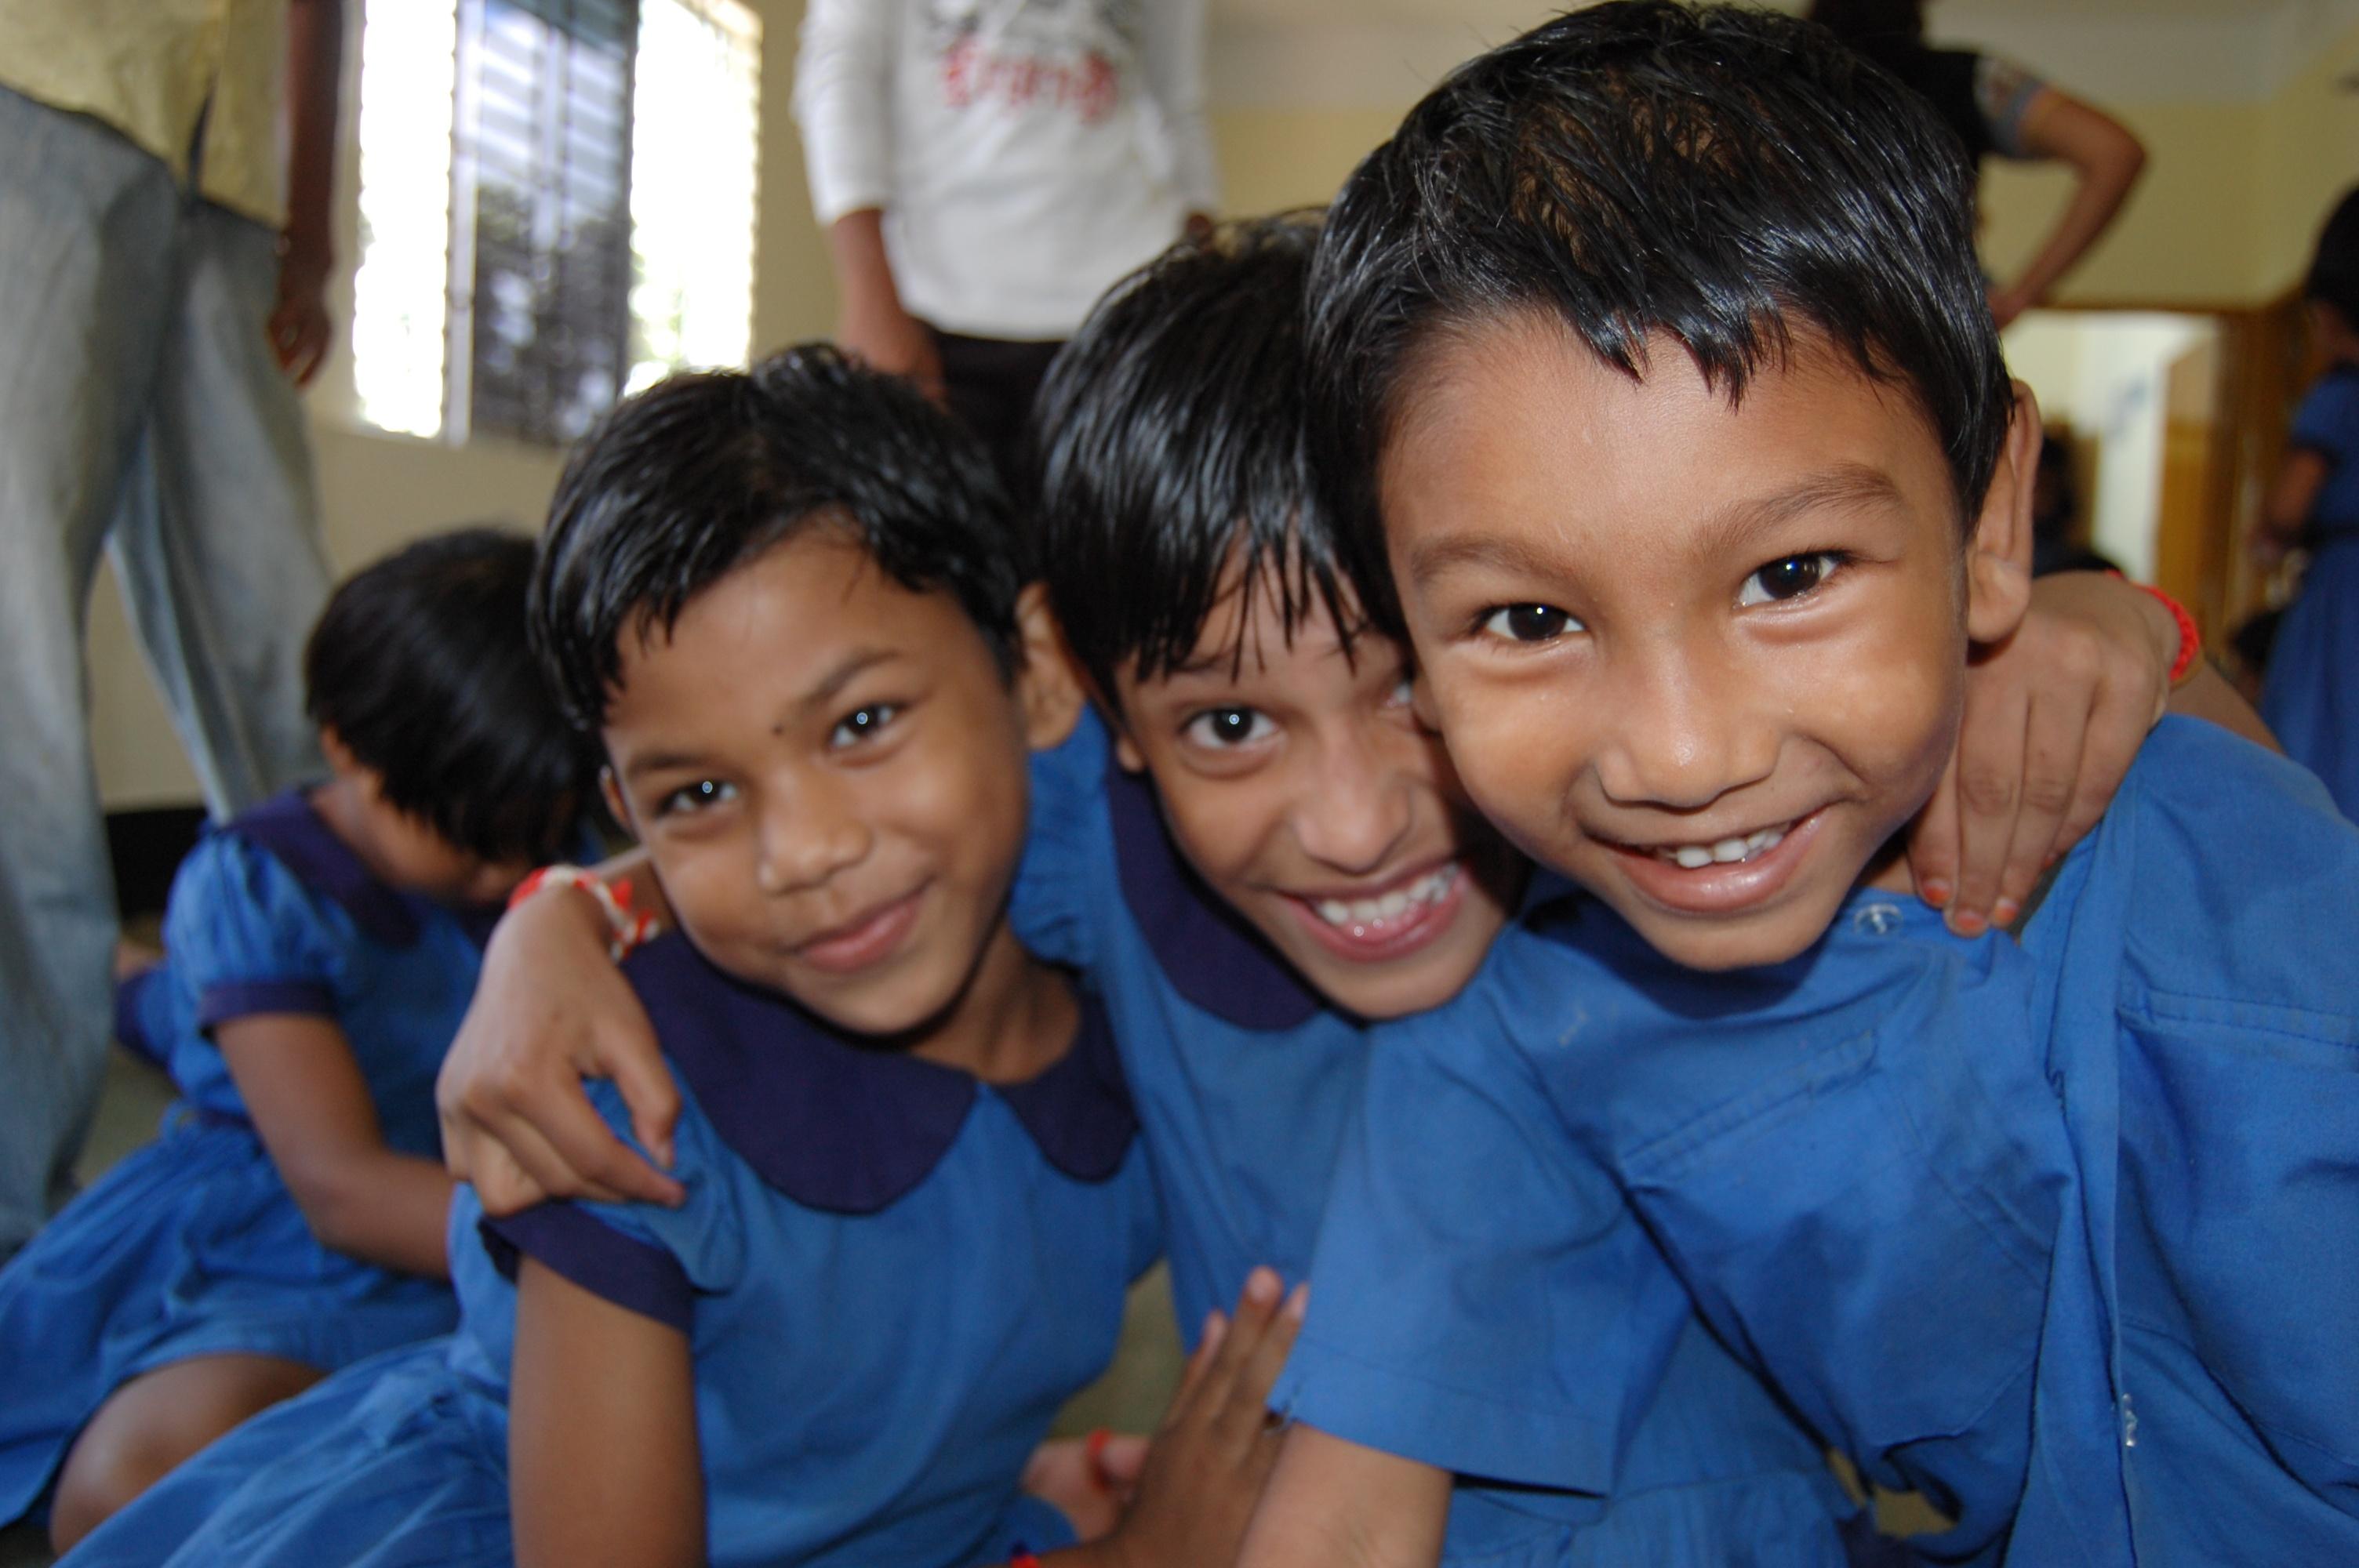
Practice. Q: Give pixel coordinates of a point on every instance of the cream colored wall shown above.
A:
(378, 491)
(2226, 216)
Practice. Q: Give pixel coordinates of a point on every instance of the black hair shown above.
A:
(1719, 175)
(1169, 467)
(2334, 278)
(1873, 26)
(691, 479)
(421, 667)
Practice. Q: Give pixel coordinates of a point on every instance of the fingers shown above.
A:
(2052, 762)
(626, 1051)
(1119, 1457)
(1933, 842)
(2116, 726)
(1990, 772)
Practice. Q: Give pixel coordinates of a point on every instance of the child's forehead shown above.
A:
(1518, 421)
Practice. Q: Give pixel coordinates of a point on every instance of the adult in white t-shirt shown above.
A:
(987, 168)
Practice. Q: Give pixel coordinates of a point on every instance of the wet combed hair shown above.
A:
(421, 667)
(1727, 177)
(2334, 278)
(694, 478)
(1168, 455)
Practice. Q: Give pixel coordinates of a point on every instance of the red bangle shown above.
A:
(2191, 641)
(1023, 1559)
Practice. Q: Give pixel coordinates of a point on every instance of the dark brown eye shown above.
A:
(1789, 578)
(1529, 622)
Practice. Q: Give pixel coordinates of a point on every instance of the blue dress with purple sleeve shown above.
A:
(1246, 1081)
(2059, 1234)
(890, 1274)
(2311, 697)
(193, 1246)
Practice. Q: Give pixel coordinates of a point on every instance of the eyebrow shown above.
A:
(1849, 487)
(830, 686)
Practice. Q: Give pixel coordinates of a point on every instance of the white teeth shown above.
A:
(1724, 851)
(1428, 889)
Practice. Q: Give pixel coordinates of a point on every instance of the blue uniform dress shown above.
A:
(1246, 1081)
(193, 1246)
(2060, 1234)
(891, 1275)
(2312, 699)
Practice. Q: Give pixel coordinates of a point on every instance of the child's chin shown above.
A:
(1737, 942)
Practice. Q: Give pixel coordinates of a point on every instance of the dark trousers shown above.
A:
(990, 383)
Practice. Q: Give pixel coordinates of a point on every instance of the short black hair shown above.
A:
(1874, 24)
(2334, 278)
(683, 484)
(421, 667)
(1720, 175)
(1168, 460)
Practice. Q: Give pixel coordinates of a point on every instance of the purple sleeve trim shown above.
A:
(246, 998)
(130, 1025)
(634, 1275)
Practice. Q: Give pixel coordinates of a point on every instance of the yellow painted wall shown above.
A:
(2309, 156)
(1276, 158)
(378, 491)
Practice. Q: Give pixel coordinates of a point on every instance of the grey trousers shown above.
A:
(140, 411)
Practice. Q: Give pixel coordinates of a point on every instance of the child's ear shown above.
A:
(617, 807)
(340, 758)
(1998, 554)
(1048, 688)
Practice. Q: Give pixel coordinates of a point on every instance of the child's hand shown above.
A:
(1091, 1480)
(2054, 717)
(551, 1010)
(1204, 1471)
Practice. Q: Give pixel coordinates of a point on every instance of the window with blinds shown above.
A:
(557, 204)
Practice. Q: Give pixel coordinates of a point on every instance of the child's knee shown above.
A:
(109, 1465)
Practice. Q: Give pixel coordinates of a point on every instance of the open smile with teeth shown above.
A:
(1722, 851)
(1364, 914)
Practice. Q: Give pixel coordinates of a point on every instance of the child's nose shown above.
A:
(807, 834)
(1686, 729)
(1356, 814)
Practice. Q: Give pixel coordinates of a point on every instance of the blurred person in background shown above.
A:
(163, 269)
(1994, 105)
(2312, 696)
(987, 168)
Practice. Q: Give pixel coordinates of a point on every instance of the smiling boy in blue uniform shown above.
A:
(913, 1192)
(1693, 542)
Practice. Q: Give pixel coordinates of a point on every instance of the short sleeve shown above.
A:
(2327, 422)
(2003, 94)
(1069, 856)
(653, 1261)
(1483, 1299)
(246, 937)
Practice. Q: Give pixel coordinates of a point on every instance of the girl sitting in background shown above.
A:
(321, 948)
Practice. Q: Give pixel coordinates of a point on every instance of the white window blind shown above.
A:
(557, 203)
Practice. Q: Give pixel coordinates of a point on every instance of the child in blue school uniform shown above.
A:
(1256, 861)
(2312, 699)
(320, 949)
(1693, 540)
(788, 604)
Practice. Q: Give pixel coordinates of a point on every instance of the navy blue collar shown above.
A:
(290, 830)
(1212, 955)
(845, 1127)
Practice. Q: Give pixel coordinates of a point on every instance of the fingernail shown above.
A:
(1262, 1286)
(2003, 913)
(1935, 891)
(1299, 1301)
(1966, 923)
(1213, 1322)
